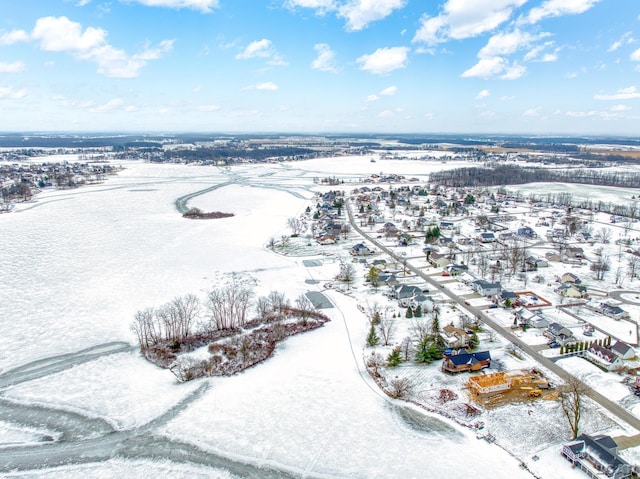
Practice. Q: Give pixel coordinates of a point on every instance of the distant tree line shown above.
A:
(517, 175)
(227, 155)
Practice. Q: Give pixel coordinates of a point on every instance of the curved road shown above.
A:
(610, 406)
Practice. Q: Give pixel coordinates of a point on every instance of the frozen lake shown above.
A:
(75, 267)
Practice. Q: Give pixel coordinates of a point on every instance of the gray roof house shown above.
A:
(597, 456)
(485, 288)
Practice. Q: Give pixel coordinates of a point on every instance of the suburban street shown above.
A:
(610, 406)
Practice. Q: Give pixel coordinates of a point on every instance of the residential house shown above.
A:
(570, 290)
(574, 252)
(446, 225)
(456, 269)
(613, 311)
(623, 350)
(570, 278)
(485, 288)
(327, 239)
(405, 291)
(527, 232)
(379, 263)
(507, 295)
(596, 455)
(426, 303)
(455, 338)
(559, 334)
(388, 279)
(604, 357)
(531, 318)
(553, 256)
(487, 238)
(438, 260)
(456, 363)
(361, 249)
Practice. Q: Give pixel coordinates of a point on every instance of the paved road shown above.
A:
(610, 406)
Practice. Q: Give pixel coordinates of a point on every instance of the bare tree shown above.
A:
(406, 348)
(420, 329)
(297, 225)
(600, 267)
(345, 230)
(271, 244)
(347, 273)
(571, 402)
(278, 301)
(284, 240)
(187, 309)
(146, 329)
(387, 328)
(603, 235)
(227, 306)
(400, 387)
(633, 264)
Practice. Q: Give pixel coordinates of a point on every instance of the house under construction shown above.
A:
(486, 385)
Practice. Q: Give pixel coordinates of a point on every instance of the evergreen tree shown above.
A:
(418, 312)
(423, 353)
(474, 341)
(409, 313)
(372, 337)
(394, 358)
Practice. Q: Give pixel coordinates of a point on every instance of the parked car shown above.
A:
(553, 344)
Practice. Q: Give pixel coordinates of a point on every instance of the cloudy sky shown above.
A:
(414, 66)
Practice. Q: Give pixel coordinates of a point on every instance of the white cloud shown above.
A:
(15, 67)
(208, 108)
(492, 62)
(463, 19)
(83, 3)
(108, 106)
(391, 90)
(385, 114)
(629, 93)
(14, 36)
(325, 61)
(557, 8)
(360, 13)
(620, 108)
(321, 6)
(482, 94)
(267, 86)
(9, 93)
(625, 39)
(371, 98)
(384, 60)
(532, 112)
(486, 68)
(262, 49)
(635, 56)
(507, 43)
(59, 34)
(204, 6)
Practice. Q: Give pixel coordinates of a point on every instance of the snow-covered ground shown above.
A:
(78, 264)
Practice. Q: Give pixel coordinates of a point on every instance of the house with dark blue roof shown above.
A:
(457, 363)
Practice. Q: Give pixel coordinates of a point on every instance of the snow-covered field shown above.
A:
(77, 265)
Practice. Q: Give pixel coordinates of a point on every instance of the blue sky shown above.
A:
(364, 66)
